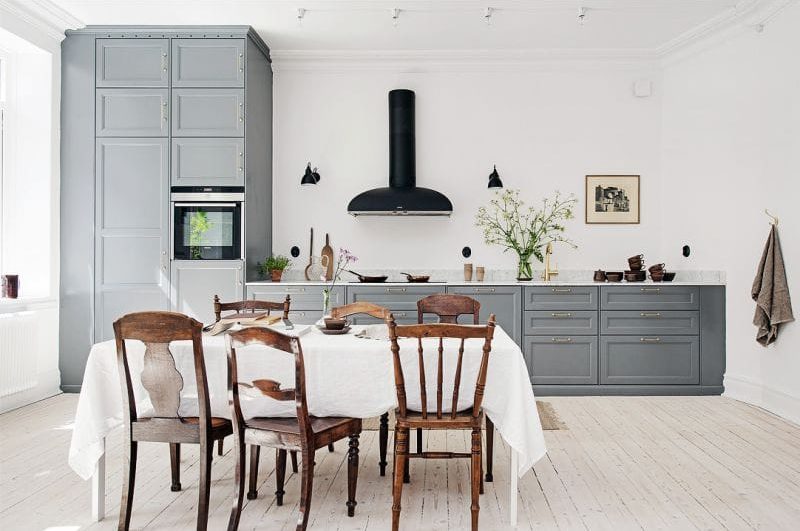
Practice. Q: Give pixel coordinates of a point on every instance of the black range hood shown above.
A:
(402, 197)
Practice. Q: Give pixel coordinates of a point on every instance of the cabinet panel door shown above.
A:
(561, 298)
(304, 298)
(132, 112)
(208, 112)
(195, 282)
(649, 360)
(505, 302)
(561, 359)
(579, 322)
(400, 299)
(650, 297)
(650, 322)
(132, 63)
(208, 62)
(207, 162)
(132, 229)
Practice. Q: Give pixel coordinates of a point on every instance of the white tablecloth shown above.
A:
(345, 376)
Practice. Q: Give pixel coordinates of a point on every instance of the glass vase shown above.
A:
(326, 303)
(524, 270)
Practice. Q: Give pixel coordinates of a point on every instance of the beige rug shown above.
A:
(547, 415)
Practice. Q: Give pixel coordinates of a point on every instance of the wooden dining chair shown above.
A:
(449, 307)
(302, 433)
(379, 312)
(163, 383)
(468, 419)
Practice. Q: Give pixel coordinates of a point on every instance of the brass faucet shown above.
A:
(548, 272)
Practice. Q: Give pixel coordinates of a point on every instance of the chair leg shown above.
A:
(220, 444)
(175, 466)
(293, 455)
(419, 440)
(128, 481)
(489, 449)
(255, 450)
(280, 475)
(238, 488)
(352, 474)
(306, 487)
(476, 476)
(401, 457)
(330, 447)
(206, 456)
(383, 440)
(406, 472)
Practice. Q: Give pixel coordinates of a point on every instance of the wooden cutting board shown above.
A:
(327, 258)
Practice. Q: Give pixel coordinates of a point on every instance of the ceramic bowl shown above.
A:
(669, 276)
(614, 276)
(335, 324)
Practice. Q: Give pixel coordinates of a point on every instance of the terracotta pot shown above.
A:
(276, 275)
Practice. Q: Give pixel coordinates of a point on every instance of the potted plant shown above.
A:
(526, 231)
(274, 265)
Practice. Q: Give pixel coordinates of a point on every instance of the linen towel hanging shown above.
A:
(771, 292)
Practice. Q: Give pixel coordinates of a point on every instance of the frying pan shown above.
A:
(417, 278)
(364, 278)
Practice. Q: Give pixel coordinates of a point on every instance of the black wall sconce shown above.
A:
(494, 179)
(310, 176)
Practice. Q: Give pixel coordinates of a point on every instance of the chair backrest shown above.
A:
(448, 306)
(160, 375)
(281, 342)
(251, 306)
(440, 331)
(361, 307)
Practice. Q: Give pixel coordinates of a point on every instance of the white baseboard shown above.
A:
(49, 385)
(754, 392)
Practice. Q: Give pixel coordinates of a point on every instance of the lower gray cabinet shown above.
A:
(649, 360)
(195, 282)
(505, 302)
(579, 322)
(401, 300)
(306, 305)
(562, 359)
(649, 322)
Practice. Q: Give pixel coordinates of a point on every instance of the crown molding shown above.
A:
(43, 15)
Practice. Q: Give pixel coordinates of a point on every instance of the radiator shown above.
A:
(19, 348)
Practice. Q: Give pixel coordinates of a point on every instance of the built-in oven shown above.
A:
(207, 222)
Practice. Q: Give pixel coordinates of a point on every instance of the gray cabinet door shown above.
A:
(208, 112)
(544, 322)
(132, 62)
(207, 162)
(561, 359)
(401, 300)
(650, 322)
(650, 297)
(560, 298)
(132, 112)
(304, 298)
(505, 302)
(649, 360)
(195, 282)
(131, 229)
(208, 62)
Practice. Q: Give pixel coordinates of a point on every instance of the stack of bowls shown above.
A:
(636, 272)
(657, 272)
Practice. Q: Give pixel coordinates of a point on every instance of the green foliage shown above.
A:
(199, 224)
(273, 263)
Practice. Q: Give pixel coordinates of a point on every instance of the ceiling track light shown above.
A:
(581, 15)
(487, 15)
(395, 16)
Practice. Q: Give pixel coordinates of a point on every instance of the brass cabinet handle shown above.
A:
(299, 314)
(391, 290)
(561, 340)
(399, 314)
(561, 315)
(483, 290)
(291, 290)
(562, 290)
(653, 315)
(649, 339)
(650, 290)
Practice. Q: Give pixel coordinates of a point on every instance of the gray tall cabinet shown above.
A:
(144, 109)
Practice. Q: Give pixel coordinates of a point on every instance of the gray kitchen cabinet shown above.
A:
(132, 229)
(505, 302)
(650, 297)
(132, 62)
(562, 359)
(208, 112)
(132, 112)
(673, 322)
(208, 62)
(548, 322)
(306, 305)
(208, 162)
(401, 300)
(560, 298)
(195, 282)
(649, 360)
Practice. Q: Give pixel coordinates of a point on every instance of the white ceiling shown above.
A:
(625, 25)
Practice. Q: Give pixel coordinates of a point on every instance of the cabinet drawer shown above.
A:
(208, 112)
(304, 298)
(305, 317)
(505, 302)
(132, 62)
(396, 298)
(207, 162)
(208, 62)
(132, 112)
(649, 360)
(650, 297)
(401, 317)
(561, 298)
(668, 322)
(543, 322)
(562, 359)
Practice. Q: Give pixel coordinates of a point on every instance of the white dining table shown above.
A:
(345, 376)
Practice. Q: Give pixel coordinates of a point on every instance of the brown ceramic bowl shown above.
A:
(613, 276)
(637, 275)
(669, 276)
(335, 324)
(656, 267)
(633, 276)
(657, 276)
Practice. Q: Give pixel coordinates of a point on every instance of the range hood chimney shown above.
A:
(402, 197)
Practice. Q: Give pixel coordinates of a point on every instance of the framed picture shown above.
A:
(612, 199)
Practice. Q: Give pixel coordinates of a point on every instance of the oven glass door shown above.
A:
(207, 231)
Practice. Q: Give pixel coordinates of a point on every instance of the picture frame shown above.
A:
(613, 199)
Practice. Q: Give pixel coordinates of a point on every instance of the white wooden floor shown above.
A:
(624, 463)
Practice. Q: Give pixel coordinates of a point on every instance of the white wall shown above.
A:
(544, 127)
(731, 135)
